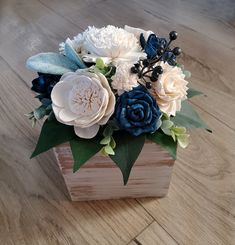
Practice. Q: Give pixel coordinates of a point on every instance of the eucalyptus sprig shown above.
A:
(39, 113)
(108, 140)
(178, 134)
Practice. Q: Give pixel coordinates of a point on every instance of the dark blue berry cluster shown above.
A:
(157, 49)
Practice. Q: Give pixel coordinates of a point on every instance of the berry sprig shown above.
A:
(146, 66)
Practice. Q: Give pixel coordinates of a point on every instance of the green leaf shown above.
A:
(127, 150)
(100, 64)
(105, 140)
(109, 150)
(167, 131)
(112, 143)
(173, 135)
(113, 125)
(46, 102)
(53, 133)
(103, 152)
(183, 140)
(83, 150)
(166, 124)
(165, 141)
(51, 116)
(193, 92)
(189, 118)
(40, 112)
(108, 131)
(179, 130)
(187, 74)
(111, 71)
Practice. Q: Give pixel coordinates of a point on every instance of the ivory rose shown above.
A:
(170, 89)
(83, 100)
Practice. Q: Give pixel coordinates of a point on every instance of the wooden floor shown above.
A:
(200, 207)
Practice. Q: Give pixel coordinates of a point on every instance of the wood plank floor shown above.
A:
(200, 206)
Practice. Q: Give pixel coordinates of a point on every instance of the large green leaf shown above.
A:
(53, 133)
(127, 150)
(83, 150)
(165, 142)
(189, 118)
(193, 92)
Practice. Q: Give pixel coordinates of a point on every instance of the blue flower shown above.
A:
(169, 57)
(44, 84)
(153, 44)
(137, 111)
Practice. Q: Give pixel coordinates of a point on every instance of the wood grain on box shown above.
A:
(100, 178)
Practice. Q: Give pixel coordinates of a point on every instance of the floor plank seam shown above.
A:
(158, 222)
(206, 198)
(146, 227)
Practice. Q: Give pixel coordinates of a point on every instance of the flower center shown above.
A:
(85, 98)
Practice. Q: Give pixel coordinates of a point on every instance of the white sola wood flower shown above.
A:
(83, 100)
(124, 80)
(170, 89)
(110, 43)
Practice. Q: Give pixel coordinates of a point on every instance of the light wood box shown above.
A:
(100, 178)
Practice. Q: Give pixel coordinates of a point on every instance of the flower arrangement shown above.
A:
(109, 90)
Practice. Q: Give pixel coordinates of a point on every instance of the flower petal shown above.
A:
(60, 93)
(66, 115)
(87, 133)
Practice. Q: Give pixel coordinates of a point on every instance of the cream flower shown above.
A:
(76, 43)
(112, 44)
(83, 100)
(124, 80)
(138, 31)
(170, 89)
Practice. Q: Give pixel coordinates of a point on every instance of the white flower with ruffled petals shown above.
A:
(112, 44)
(83, 100)
(124, 80)
(75, 43)
(170, 89)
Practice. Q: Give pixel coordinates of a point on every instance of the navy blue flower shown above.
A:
(137, 111)
(169, 57)
(44, 84)
(152, 45)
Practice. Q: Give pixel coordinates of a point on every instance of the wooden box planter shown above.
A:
(100, 178)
